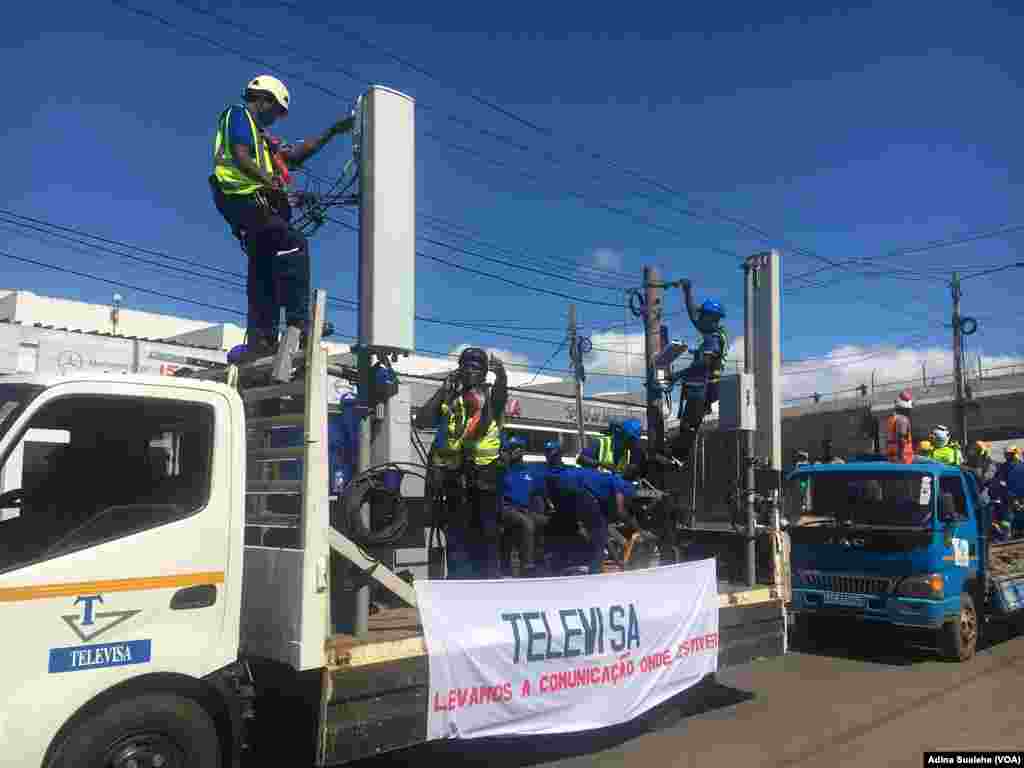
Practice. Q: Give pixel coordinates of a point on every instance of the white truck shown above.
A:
(145, 632)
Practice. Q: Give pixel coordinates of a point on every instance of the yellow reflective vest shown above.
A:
(448, 450)
(230, 178)
(606, 456)
(948, 454)
(455, 447)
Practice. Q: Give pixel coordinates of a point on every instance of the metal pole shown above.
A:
(361, 596)
(573, 356)
(958, 373)
(749, 475)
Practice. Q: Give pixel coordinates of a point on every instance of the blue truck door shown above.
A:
(960, 539)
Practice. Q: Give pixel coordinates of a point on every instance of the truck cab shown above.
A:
(120, 560)
(899, 544)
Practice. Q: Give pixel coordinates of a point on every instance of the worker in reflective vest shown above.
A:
(469, 414)
(620, 451)
(249, 192)
(899, 444)
(947, 451)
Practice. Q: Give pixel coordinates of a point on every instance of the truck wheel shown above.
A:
(959, 638)
(156, 730)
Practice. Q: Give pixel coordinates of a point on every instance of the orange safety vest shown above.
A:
(900, 445)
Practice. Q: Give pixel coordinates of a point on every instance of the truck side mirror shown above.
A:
(947, 510)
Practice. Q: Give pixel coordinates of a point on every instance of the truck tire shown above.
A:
(958, 639)
(158, 730)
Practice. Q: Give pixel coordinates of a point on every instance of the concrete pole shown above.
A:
(748, 474)
(652, 347)
(573, 356)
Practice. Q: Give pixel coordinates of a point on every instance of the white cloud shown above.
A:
(609, 353)
(607, 258)
(849, 366)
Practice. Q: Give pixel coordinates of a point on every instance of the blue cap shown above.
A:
(712, 307)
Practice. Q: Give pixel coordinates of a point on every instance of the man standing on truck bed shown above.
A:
(468, 414)
(248, 183)
(899, 444)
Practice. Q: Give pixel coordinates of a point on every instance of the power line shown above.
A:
(581, 149)
(598, 273)
(588, 200)
(120, 243)
(525, 148)
(120, 284)
(521, 267)
(453, 265)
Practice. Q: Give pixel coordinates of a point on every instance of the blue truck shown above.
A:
(904, 545)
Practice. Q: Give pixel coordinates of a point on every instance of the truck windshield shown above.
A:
(882, 499)
(13, 400)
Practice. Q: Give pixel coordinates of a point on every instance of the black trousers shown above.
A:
(278, 274)
(485, 502)
(529, 524)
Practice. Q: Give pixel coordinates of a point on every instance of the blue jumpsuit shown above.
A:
(575, 501)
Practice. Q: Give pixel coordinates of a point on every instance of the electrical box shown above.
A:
(737, 403)
(385, 146)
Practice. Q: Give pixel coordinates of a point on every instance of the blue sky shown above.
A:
(849, 132)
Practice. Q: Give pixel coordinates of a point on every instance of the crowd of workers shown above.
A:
(559, 513)
(1001, 486)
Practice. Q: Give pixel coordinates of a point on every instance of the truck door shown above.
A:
(961, 542)
(114, 550)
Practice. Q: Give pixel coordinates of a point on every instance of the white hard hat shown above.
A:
(271, 85)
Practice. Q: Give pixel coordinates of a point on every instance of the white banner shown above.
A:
(535, 656)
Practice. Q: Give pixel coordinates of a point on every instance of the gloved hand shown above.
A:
(646, 535)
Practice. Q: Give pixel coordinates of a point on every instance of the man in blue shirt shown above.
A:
(524, 504)
(575, 505)
(249, 177)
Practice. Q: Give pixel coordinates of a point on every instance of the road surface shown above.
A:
(835, 706)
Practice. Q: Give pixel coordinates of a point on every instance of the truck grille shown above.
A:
(859, 585)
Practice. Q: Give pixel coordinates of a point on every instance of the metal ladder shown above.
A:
(299, 402)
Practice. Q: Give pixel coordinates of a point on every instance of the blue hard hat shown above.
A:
(553, 452)
(632, 429)
(515, 442)
(712, 307)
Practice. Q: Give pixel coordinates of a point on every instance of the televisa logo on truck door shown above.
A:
(88, 624)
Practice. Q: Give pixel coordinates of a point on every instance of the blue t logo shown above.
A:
(87, 615)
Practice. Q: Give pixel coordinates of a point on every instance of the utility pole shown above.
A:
(958, 367)
(575, 355)
(653, 289)
(750, 437)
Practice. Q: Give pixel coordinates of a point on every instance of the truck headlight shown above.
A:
(930, 585)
